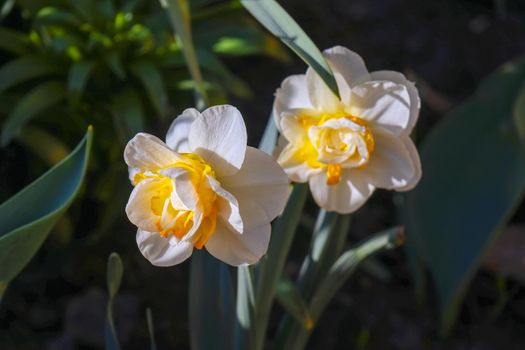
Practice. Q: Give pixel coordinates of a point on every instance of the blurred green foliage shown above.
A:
(115, 65)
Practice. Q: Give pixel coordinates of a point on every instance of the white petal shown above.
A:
(262, 180)
(394, 164)
(415, 102)
(227, 205)
(345, 197)
(322, 98)
(177, 136)
(219, 136)
(294, 165)
(159, 251)
(292, 94)
(383, 103)
(138, 207)
(184, 196)
(246, 249)
(349, 69)
(293, 130)
(146, 151)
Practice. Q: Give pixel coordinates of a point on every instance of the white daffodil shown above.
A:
(203, 188)
(347, 147)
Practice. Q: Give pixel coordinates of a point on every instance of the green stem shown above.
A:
(272, 265)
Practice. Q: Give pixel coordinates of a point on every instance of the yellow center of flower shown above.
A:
(173, 219)
(336, 142)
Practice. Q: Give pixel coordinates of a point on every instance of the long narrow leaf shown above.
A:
(78, 77)
(244, 308)
(152, 80)
(279, 23)
(179, 14)
(115, 271)
(22, 69)
(293, 302)
(13, 41)
(339, 273)
(151, 330)
(272, 265)
(27, 217)
(211, 303)
(34, 102)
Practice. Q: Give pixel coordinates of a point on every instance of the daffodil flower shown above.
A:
(347, 147)
(203, 188)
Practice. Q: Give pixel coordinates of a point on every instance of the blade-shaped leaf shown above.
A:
(271, 15)
(244, 308)
(34, 102)
(336, 277)
(293, 302)
(128, 113)
(151, 330)
(474, 165)
(271, 266)
(13, 41)
(153, 82)
(115, 271)
(27, 217)
(179, 14)
(22, 69)
(52, 16)
(211, 303)
(78, 77)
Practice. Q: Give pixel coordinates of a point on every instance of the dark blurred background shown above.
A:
(446, 46)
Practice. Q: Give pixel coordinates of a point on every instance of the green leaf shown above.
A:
(269, 138)
(245, 308)
(114, 274)
(22, 69)
(293, 302)
(519, 114)
(128, 113)
(115, 271)
(211, 303)
(6, 8)
(271, 15)
(338, 274)
(115, 64)
(78, 77)
(474, 178)
(153, 82)
(151, 330)
(271, 266)
(34, 102)
(179, 14)
(27, 217)
(54, 16)
(13, 41)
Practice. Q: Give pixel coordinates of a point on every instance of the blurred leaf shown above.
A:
(269, 137)
(245, 308)
(474, 165)
(6, 8)
(271, 15)
(211, 303)
(52, 15)
(47, 147)
(22, 69)
(114, 63)
(153, 82)
(27, 217)
(78, 77)
(151, 330)
(179, 14)
(228, 80)
(519, 114)
(271, 265)
(292, 301)
(328, 240)
(34, 102)
(14, 42)
(129, 114)
(114, 274)
(115, 271)
(336, 277)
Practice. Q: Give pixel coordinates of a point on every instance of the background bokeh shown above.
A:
(59, 300)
